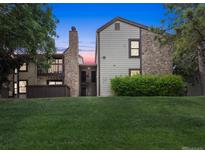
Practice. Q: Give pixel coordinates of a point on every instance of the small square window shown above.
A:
(23, 68)
(134, 72)
(117, 26)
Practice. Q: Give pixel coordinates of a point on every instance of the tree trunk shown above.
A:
(201, 63)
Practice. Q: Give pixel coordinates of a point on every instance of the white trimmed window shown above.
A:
(134, 48)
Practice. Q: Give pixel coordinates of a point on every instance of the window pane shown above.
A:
(22, 86)
(93, 76)
(134, 52)
(15, 88)
(56, 66)
(134, 72)
(135, 44)
(117, 26)
(51, 83)
(23, 67)
(59, 83)
(60, 68)
(55, 82)
(60, 61)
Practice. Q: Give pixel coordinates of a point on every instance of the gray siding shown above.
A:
(114, 47)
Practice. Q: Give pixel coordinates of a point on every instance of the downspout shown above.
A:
(98, 64)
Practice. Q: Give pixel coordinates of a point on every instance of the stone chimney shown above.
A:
(73, 40)
(71, 66)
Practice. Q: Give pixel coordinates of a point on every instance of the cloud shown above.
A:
(88, 57)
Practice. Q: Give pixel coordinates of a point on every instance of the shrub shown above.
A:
(148, 85)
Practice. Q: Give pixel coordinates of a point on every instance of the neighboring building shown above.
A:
(33, 81)
(123, 48)
(126, 48)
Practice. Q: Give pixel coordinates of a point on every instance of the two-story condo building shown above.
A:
(126, 48)
(123, 48)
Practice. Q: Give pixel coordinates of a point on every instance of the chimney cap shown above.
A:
(73, 28)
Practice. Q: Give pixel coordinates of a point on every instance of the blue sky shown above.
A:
(87, 18)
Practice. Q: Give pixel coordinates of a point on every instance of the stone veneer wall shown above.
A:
(155, 59)
(71, 65)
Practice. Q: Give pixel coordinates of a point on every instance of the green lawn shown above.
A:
(103, 123)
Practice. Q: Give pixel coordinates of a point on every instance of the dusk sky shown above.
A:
(87, 18)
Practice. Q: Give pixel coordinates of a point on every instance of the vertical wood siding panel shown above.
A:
(114, 47)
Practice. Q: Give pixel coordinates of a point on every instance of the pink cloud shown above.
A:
(88, 57)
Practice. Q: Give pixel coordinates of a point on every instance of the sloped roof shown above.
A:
(122, 20)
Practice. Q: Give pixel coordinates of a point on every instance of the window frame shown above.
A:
(24, 70)
(117, 26)
(55, 81)
(135, 69)
(18, 88)
(129, 42)
(56, 66)
(45, 72)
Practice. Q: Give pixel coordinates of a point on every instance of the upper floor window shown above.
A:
(56, 66)
(134, 72)
(23, 68)
(134, 48)
(117, 26)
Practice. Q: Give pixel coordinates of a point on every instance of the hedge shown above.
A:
(148, 85)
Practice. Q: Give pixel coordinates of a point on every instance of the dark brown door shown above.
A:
(88, 81)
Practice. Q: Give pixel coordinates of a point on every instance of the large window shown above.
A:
(56, 66)
(55, 82)
(134, 72)
(134, 48)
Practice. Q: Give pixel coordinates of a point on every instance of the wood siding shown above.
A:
(47, 91)
(114, 58)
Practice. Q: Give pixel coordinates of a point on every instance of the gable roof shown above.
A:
(122, 20)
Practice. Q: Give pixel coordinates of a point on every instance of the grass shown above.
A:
(103, 123)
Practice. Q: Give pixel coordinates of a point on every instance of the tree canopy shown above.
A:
(25, 29)
(186, 25)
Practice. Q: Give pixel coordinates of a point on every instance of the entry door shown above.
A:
(88, 82)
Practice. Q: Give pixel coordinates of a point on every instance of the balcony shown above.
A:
(56, 69)
(48, 72)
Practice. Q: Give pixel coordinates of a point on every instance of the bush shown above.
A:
(148, 85)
